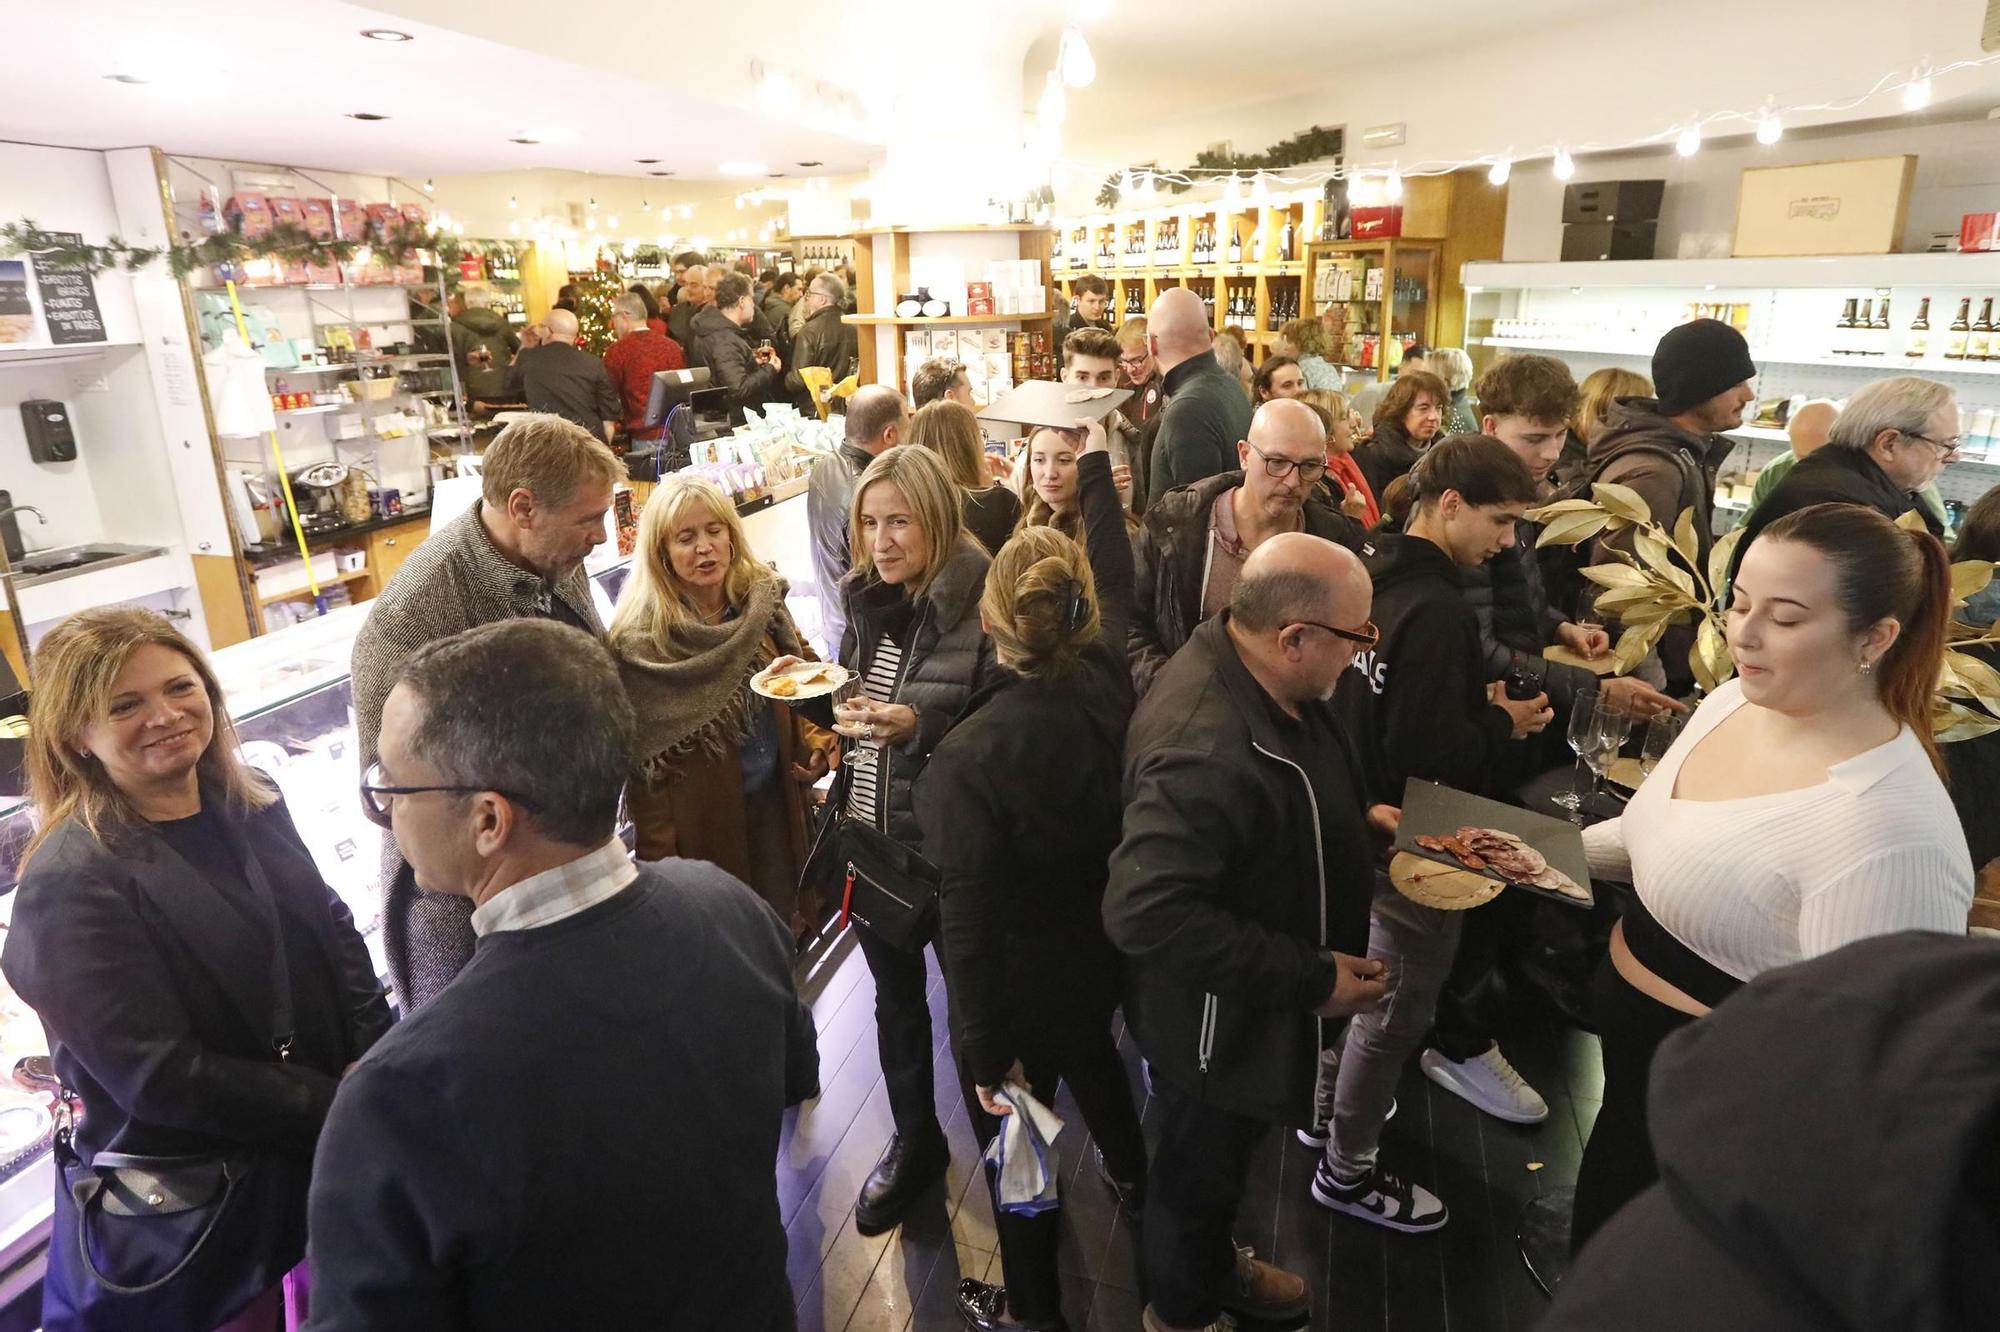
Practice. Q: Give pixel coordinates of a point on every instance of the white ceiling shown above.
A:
(262, 81)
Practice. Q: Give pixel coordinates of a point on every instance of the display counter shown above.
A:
(290, 695)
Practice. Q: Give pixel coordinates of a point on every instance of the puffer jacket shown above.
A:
(1516, 621)
(947, 657)
(732, 365)
(824, 340)
(1170, 550)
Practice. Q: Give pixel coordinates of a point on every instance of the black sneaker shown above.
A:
(1381, 1198)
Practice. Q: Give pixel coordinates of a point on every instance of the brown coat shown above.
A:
(700, 813)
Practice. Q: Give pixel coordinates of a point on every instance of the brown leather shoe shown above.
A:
(1261, 1291)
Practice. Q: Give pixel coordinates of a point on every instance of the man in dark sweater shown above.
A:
(1893, 438)
(562, 378)
(580, 1130)
(1419, 706)
(1207, 413)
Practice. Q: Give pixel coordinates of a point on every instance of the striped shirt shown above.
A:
(863, 786)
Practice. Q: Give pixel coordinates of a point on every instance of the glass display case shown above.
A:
(1372, 293)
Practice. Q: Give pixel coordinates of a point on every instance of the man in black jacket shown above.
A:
(750, 371)
(877, 418)
(452, 1188)
(1420, 706)
(1893, 439)
(1239, 893)
(1207, 411)
(824, 340)
(560, 377)
(1192, 543)
(690, 299)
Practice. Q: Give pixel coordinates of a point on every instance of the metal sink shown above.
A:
(46, 566)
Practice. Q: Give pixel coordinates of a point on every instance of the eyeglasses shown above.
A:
(1133, 362)
(1367, 635)
(376, 810)
(1281, 468)
(1947, 448)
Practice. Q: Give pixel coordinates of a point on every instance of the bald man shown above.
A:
(1192, 544)
(695, 295)
(1810, 428)
(560, 377)
(1240, 894)
(1206, 412)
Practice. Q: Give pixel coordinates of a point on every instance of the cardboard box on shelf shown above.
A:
(317, 217)
(916, 345)
(352, 220)
(1857, 206)
(967, 347)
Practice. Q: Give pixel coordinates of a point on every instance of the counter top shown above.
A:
(277, 552)
(113, 554)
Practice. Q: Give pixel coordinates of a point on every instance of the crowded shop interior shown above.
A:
(660, 673)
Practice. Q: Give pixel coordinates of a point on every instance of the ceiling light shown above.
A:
(687, 211)
(513, 202)
(612, 221)
(386, 35)
(1090, 11)
(1769, 128)
(1502, 168)
(430, 186)
(524, 139)
(1392, 188)
(812, 164)
(742, 168)
(1565, 166)
(646, 161)
(366, 115)
(127, 78)
(1917, 92)
(514, 227)
(1689, 142)
(659, 173)
(645, 206)
(1074, 60)
(590, 224)
(593, 201)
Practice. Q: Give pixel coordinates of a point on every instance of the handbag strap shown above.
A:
(282, 1026)
(95, 1199)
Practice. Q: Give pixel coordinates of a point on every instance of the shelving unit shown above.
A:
(883, 257)
(1375, 292)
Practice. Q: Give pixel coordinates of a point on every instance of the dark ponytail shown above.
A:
(1882, 571)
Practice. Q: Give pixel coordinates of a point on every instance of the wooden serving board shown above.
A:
(1566, 656)
(1428, 883)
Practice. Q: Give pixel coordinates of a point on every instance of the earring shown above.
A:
(1865, 668)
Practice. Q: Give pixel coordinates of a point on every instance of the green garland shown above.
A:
(286, 242)
(1311, 145)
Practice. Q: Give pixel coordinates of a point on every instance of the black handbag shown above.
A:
(885, 885)
(177, 1241)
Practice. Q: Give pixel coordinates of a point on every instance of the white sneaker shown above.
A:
(1380, 1198)
(1317, 1135)
(1489, 1082)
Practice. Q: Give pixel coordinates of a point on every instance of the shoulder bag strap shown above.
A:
(282, 1026)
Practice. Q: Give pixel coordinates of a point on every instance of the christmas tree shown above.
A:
(593, 309)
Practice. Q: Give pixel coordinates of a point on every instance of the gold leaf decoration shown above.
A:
(1571, 529)
(1718, 561)
(1913, 521)
(1966, 676)
(1709, 658)
(1684, 539)
(1550, 512)
(1952, 722)
(1651, 547)
(1622, 501)
(1617, 575)
(1635, 643)
(1969, 578)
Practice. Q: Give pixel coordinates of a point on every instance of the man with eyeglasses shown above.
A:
(1138, 371)
(1193, 543)
(1892, 441)
(1240, 894)
(457, 1184)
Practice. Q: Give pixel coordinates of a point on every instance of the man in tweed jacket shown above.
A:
(547, 485)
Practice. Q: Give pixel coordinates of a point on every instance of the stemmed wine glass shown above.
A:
(846, 692)
(1661, 732)
(1609, 726)
(1587, 616)
(1582, 727)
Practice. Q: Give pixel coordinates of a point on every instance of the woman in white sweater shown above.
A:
(1800, 810)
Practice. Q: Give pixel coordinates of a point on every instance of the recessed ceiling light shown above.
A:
(127, 78)
(524, 139)
(742, 168)
(366, 115)
(812, 164)
(659, 173)
(386, 35)
(646, 161)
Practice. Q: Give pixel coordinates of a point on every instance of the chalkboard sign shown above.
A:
(69, 301)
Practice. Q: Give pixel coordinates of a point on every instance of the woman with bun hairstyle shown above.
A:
(1021, 808)
(1800, 810)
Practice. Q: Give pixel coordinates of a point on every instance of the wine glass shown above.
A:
(846, 692)
(1661, 732)
(1587, 616)
(1582, 727)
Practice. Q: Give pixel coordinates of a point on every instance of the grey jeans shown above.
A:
(1417, 944)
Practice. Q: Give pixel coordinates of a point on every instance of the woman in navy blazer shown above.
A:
(202, 988)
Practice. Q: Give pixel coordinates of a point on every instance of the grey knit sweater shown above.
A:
(456, 580)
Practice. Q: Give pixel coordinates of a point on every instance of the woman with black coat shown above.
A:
(202, 988)
(914, 642)
(1021, 806)
(1407, 421)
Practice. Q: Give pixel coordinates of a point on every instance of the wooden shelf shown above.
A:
(292, 594)
(962, 227)
(921, 321)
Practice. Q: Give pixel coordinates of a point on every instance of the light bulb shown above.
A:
(1769, 128)
(1917, 92)
(612, 221)
(1078, 66)
(1502, 168)
(514, 228)
(593, 203)
(1689, 142)
(1565, 165)
(1260, 190)
(645, 206)
(1392, 188)
(513, 202)
(430, 187)
(1052, 107)
(687, 212)
(1126, 186)
(1232, 193)
(590, 224)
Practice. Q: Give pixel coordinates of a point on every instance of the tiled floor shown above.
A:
(1467, 1276)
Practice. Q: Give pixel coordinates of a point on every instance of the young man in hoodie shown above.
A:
(1419, 705)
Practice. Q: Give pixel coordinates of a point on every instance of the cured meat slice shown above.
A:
(1504, 852)
(1556, 881)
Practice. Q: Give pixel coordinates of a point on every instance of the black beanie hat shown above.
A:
(1698, 360)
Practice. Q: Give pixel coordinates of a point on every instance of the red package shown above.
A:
(253, 208)
(1378, 221)
(352, 219)
(287, 211)
(317, 217)
(382, 219)
(1978, 232)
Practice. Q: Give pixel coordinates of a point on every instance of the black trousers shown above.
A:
(1618, 1163)
(903, 1033)
(1081, 1054)
(1192, 1193)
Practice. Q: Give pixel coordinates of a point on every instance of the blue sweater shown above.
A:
(580, 1131)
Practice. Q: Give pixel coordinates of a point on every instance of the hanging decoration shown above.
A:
(285, 242)
(1318, 144)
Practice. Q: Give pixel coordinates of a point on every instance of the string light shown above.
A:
(1770, 129)
(514, 227)
(1074, 60)
(1689, 142)
(513, 201)
(430, 187)
(1565, 165)
(687, 212)
(612, 221)
(1917, 92)
(1501, 170)
(1232, 193)
(1392, 188)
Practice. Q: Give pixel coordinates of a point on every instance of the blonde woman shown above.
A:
(1454, 367)
(1308, 342)
(202, 988)
(1601, 391)
(1052, 480)
(1030, 976)
(913, 637)
(723, 773)
(1343, 474)
(951, 431)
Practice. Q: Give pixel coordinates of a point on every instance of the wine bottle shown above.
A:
(1980, 346)
(1843, 328)
(1235, 246)
(1919, 340)
(1960, 331)
(1863, 321)
(1285, 241)
(1879, 335)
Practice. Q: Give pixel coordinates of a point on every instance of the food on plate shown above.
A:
(1453, 846)
(1505, 852)
(782, 686)
(1556, 881)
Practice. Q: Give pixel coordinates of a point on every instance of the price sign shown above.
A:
(69, 301)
